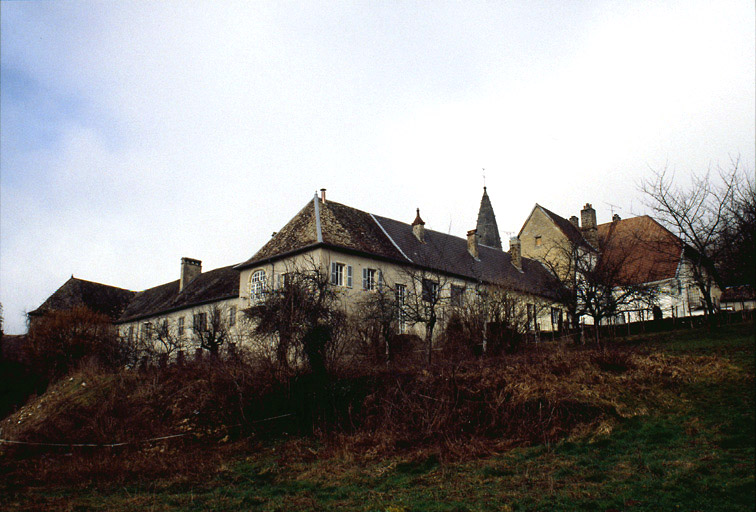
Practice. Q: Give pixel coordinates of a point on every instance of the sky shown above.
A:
(135, 133)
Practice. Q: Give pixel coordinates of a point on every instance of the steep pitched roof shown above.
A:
(573, 233)
(487, 229)
(221, 283)
(328, 224)
(447, 253)
(100, 298)
(643, 248)
(344, 228)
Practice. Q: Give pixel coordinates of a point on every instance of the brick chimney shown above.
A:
(515, 254)
(589, 226)
(574, 221)
(472, 243)
(189, 270)
(418, 227)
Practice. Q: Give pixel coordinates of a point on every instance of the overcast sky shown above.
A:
(135, 133)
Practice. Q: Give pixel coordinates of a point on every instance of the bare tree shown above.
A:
(302, 317)
(600, 284)
(697, 215)
(377, 317)
(736, 244)
(211, 328)
(424, 299)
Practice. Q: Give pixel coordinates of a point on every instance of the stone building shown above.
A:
(643, 250)
(360, 252)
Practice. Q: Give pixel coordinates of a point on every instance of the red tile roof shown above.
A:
(643, 248)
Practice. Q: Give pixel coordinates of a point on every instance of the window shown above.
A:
(181, 326)
(257, 286)
(430, 290)
(371, 278)
(146, 330)
(531, 317)
(131, 333)
(232, 316)
(283, 279)
(401, 297)
(341, 275)
(457, 295)
(538, 240)
(199, 322)
(556, 319)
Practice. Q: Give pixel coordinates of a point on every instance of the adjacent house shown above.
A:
(643, 252)
(738, 298)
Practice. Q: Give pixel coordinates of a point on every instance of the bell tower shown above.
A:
(487, 230)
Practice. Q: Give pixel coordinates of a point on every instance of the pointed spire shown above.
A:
(488, 231)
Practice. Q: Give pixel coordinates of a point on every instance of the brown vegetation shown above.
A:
(453, 409)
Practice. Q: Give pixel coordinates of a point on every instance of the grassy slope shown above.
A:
(693, 452)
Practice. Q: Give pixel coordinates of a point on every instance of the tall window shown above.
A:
(146, 330)
(232, 316)
(531, 317)
(430, 290)
(371, 278)
(257, 286)
(457, 295)
(401, 297)
(199, 322)
(341, 274)
(181, 326)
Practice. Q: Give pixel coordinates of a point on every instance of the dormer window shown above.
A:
(257, 286)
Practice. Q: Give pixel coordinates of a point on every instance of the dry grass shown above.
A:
(452, 411)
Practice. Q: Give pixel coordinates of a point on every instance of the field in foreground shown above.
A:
(683, 441)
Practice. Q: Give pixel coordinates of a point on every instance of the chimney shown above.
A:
(588, 221)
(322, 195)
(189, 270)
(574, 221)
(472, 243)
(418, 227)
(514, 252)
(616, 218)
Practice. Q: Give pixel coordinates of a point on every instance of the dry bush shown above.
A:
(60, 340)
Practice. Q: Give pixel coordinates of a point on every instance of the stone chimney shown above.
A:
(515, 254)
(322, 195)
(589, 226)
(574, 221)
(189, 270)
(616, 218)
(472, 243)
(418, 227)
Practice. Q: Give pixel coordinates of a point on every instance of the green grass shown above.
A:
(695, 454)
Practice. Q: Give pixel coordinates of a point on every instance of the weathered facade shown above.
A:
(360, 252)
(645, 253)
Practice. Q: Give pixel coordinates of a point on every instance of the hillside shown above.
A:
(664, 422)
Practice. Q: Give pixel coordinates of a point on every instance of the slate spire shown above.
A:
(488, 231)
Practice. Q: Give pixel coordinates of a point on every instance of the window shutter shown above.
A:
(365, 279)
(380, 279)
(349, 276)
(334, 274)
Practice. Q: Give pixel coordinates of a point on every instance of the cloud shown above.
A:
(137, 133)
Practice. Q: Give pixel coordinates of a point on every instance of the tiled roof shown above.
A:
(644, 249)
(100, 298)
(331, 224)
(738, 294)
(349, 229)
(221, 283)
(573, 233)
(447, 253)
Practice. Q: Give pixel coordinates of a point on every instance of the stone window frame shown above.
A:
(257, 285)
(341, 274)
